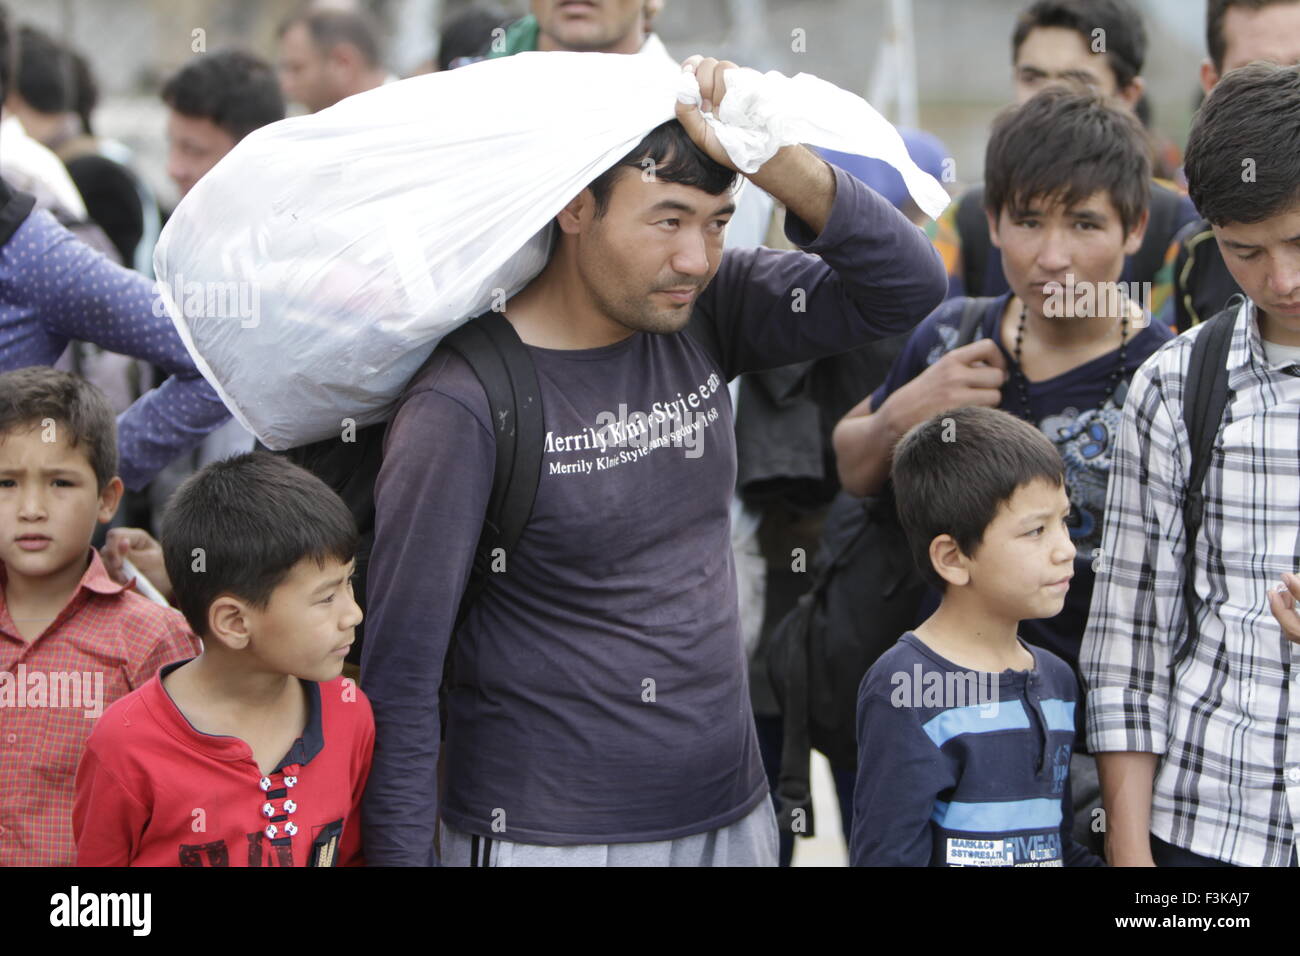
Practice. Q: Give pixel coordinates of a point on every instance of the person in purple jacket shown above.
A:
(54, 288)
(599, 712)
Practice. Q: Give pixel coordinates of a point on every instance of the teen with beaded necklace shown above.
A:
(1066, 191)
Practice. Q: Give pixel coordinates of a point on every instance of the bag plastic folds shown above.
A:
(316, 266)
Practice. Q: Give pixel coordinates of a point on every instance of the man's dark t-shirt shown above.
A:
(598, 691)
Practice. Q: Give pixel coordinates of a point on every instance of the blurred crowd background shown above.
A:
(960, 54)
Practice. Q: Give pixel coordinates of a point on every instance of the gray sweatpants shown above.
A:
(750, 841)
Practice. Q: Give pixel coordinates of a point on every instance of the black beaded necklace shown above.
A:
(1022, 383)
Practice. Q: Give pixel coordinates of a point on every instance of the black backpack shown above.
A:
(866, 593)
(1205, 396)
(492, 348)
(1202, 283)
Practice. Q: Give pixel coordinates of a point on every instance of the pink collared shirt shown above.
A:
(107, 641)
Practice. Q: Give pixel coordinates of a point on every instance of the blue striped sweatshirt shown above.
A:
(964, 768)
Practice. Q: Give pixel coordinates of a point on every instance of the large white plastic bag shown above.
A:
(357, 237)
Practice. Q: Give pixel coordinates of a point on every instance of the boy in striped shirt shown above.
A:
(964, 731)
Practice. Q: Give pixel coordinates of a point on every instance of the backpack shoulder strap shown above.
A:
(1205, 396)
(492, 348)
(973, 231)
(972, 314)
(1162, 211)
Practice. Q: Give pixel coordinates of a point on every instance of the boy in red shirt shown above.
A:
(257, 752)
(72, 641)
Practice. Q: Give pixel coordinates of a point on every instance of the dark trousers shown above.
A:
(1166, 854)
(770, 737)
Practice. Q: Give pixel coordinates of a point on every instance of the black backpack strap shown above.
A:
(973, 233)
(972, 314)
(794, 783)
(1205, 396)
(492, 348)
(15, 207)
(1162, 212)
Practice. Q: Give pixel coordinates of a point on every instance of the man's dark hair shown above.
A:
(85, 91)
(1242, 161)
(953, 472)
(1124, 34)
(6, 54)
(676, 159)
(30, 396)
(46, 73)
(254, 517)
(329, 28)
(236, 90)
(1215, 12)
(1064, 145)
(468, 35)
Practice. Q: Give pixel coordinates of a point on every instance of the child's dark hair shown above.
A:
(240, 525)
(1243, 162)
(952, 473)
(31, 396)
(1064, 145)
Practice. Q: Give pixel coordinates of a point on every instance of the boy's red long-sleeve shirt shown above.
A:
(153, 791)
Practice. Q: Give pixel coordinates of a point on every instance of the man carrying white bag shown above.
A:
(598, 712)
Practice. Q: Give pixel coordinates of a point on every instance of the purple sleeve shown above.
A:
(430, 501)
(870, 274)
(79, 294)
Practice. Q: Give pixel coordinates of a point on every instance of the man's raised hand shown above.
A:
(709, 74)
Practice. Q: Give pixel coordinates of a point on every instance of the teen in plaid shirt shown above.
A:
(1201, 765)
(72, 640)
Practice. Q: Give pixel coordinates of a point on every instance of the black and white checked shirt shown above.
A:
(1225, 725)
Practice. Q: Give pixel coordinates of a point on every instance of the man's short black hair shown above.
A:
(468, 34)
(46, 74)
(30, 396)
(675, 158)
(1064, 145)
(1215, 11)
(240, 525)
(329, 28)
(1123, 32)
(236, 90)
(953, 472)
(6, 54)
(1243, 153)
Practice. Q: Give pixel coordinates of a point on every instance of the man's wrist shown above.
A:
(801, 181)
